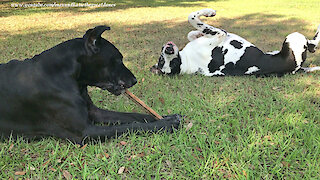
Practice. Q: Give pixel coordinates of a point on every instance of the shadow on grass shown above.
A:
(143, 42)
(7, 10)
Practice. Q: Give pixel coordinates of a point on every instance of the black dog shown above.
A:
(47, 94)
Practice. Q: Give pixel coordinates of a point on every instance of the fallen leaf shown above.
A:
(189, 126)
(169, 163)
(20, 173)
(285, 164)
(134, 156)
(106, 155)
(52, 169)
(276, 88)
(72, 164)
(44, 164)
(140, 155)
(161, 100)
(244, 173)
(267, 137)
(66, 174)
(142, 80)
(11, 146)
(131, 157)
(123, 143)
(84, 146)
(199, 149)
(121, 170)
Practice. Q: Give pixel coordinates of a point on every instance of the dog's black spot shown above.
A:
(161, 62)
(200, 71)
(199, 24)
(311, 48)
(209, 31)
(175, 64)
(236, 44)
(244, 62)
(315, 36)
(304, 54)
(225, 51)
(217, 59)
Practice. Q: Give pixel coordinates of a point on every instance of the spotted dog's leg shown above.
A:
(313, 44)
(312, 47)
(207, 30)
(311, 69)
(194, 35)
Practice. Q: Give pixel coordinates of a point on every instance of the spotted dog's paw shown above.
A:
(194, 35)
(208, 12)
(310, 69)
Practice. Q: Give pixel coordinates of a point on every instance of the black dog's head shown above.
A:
(102, 65)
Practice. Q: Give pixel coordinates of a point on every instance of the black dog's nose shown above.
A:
(134, 81)
(128, 83)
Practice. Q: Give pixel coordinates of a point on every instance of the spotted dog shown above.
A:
(215, 52)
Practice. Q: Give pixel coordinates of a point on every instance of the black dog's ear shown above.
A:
(91, 38)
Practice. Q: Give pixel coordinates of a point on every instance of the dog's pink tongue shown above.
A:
(170, 42)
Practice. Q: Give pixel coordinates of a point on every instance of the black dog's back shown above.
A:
(47, 95)
(33, 91)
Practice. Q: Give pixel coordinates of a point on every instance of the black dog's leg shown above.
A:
(105, 116)
(98, 115)
(168, 123)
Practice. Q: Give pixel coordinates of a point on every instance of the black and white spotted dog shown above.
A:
(215, 52)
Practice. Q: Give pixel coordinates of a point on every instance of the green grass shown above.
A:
(243, 127)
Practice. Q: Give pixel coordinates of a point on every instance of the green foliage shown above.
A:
(242, 127)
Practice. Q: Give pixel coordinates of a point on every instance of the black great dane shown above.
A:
(215, 52)
(47, 94)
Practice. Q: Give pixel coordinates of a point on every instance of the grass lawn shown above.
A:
(243, 127)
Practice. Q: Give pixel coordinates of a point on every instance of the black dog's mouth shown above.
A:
(111, 87)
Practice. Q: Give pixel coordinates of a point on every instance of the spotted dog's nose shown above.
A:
(169, 48)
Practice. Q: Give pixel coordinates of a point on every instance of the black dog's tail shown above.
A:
(312, 44)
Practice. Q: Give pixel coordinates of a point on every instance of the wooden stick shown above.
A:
(142, 104)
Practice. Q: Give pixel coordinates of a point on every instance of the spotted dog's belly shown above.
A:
(234, 56)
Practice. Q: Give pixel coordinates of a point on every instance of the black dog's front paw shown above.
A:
(172, 121)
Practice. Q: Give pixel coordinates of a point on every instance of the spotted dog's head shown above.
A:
(169, 60)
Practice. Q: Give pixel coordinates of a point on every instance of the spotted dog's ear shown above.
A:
(311, 47)
(91, 38)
